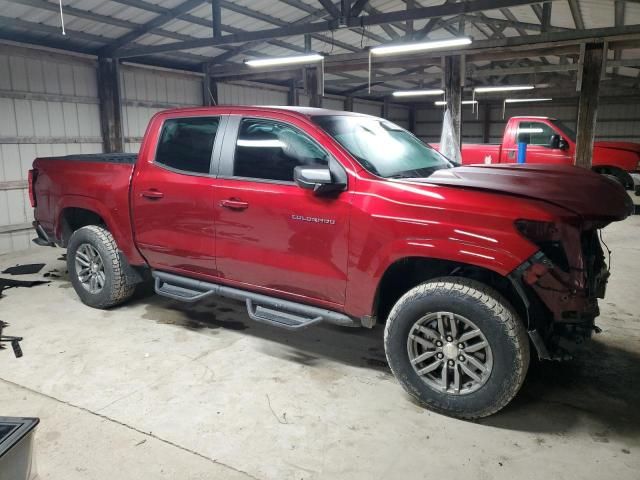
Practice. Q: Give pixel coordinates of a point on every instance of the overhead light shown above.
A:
(441, 103)
(416, 93)
(270, 62)
(419, 47)
(505, 88)
(524, 100)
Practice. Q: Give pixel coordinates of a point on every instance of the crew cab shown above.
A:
(311, 215)
(552, 142)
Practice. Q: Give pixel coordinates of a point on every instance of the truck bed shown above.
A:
(97, 183)
(480, 153)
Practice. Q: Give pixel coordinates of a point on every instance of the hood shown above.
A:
(627, 146)
(592, 196)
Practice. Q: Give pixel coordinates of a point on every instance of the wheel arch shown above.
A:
(621, 175)
(408, 272)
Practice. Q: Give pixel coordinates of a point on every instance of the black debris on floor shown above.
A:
(26, 269)
(7, 283)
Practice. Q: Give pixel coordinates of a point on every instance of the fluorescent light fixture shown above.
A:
(442, 103)
(530, 130)
(270, 62)
(417, 93)
(526, 100)
(419, 47)
(505, 88)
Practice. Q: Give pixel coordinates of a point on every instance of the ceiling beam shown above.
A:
(473, 72)
(330, 8)
(574, 6)
(324, 26)
(157, 22)
(357, 7)
(105, 19)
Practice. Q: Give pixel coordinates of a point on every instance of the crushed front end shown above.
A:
(562, 283)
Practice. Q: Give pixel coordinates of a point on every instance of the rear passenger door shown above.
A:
(172, 196)
(270, 233)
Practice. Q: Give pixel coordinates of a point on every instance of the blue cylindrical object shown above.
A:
(522, 152)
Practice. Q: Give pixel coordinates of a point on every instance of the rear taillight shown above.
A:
(32, 180)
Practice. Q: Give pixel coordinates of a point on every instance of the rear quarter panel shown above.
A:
(100, 187)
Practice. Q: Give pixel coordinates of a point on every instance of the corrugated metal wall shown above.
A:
(48, 106)
(145, 91)
(241, 94)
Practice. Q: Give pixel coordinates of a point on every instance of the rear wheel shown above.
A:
(458, 347)
(95, 268)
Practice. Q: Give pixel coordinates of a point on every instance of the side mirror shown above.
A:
(319, 180)
(555, 141)
(563, 144)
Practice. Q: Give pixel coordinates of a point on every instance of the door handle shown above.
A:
(152, 194)
(233, 204)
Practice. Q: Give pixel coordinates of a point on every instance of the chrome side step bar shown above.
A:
(260, 308)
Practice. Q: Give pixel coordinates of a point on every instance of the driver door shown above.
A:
(271, 234)
(539, 137)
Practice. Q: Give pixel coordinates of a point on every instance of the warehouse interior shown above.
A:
(159, 389)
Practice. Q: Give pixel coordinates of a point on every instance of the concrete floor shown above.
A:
(156, 389)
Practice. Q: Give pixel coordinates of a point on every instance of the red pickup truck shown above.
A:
(311, 215)
(552, 142)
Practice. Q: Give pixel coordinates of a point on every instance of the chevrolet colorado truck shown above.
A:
(312, 215)
(552, 142)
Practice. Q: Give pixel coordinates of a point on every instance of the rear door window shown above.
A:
(186, 144)
(270, 150)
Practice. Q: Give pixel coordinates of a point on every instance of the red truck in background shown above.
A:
(552, 142)
(311, 215)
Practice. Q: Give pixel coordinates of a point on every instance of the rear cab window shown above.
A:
(186, 144)
(269, 150)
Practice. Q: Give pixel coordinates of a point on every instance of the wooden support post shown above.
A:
(312, 82)
(486, 123)
(209, 88)
(110, 111)
(385, 108)
(413, 120)
(216, 19)
(546, 16)
(292, 93)
(348, 103)
(588, 103)
(453, 92)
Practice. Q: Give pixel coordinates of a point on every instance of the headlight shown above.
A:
(547, 237)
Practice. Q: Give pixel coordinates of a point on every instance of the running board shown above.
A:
(260, 308)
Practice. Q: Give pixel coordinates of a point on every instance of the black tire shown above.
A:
(115, 290)
(496, 319)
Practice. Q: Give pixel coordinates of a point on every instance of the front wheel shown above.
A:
(457, 346)
(95, 268)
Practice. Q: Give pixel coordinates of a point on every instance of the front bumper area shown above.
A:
(562, 303)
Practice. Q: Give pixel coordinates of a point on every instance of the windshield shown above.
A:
(569, 132)
(383, 148)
